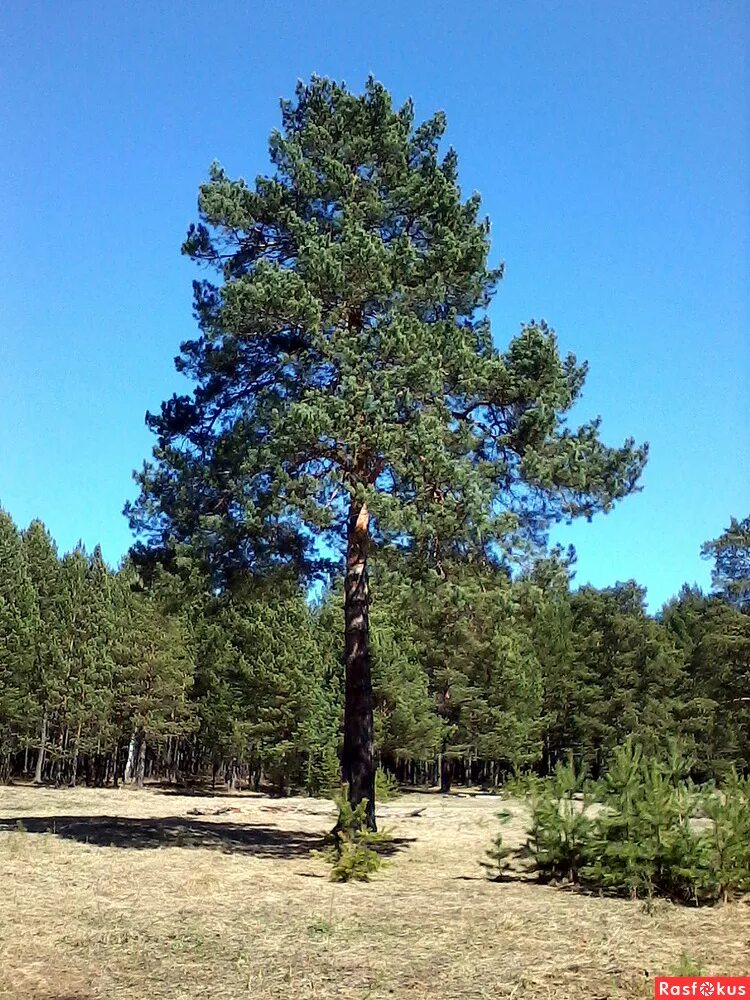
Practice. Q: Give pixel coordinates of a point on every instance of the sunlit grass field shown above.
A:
(125, 895)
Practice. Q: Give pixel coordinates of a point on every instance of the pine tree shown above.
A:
(573, 707)
(95, 680)
(87, 617)
(19, 634)
(153, 671)
(723, 664)
(638, 673)
(731, 555)
(285, 716)
(347, 384)
(44, 570)
(261, 689)
(714, 640)
(407, 727)
(406, 724)
(459, 672)
(560, 824)
(483, 669)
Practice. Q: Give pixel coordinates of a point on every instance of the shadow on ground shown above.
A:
(179, 831)
(171, 831)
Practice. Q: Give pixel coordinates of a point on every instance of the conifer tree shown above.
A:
(477, 650)
(278, 670)
(639, 673)
(714, 639)
(731, 555)
(348, 389)
(573, 705)
(95, 681)
(44, 570)
(153, 671)
(261, 690)
(87, 618)
(19, 634)
(407, 727)
(723, 664)
(406, 724)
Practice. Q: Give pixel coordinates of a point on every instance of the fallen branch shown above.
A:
(213, 812)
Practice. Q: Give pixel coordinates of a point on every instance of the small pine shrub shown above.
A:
(386, 786)
(350, 851)
(644, 841)
(560, 826)
(729, 836)
(522, 784)
(353, 861)
(687, 966)
(499, 853)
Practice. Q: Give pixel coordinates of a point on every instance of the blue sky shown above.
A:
(609, 142)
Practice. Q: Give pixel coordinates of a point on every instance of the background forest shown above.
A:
(109, 675)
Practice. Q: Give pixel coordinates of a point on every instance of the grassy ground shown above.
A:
(120, 895)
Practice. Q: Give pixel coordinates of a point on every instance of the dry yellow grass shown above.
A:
(130, 897)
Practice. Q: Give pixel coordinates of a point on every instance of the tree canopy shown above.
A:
(348, 389)
(731, 555)
(344, 352)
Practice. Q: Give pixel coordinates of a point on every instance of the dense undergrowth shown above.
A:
(643, 830)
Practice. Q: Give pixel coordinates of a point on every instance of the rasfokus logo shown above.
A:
(702, 986)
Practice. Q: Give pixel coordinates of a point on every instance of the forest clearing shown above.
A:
(363, 634)
(132, 895)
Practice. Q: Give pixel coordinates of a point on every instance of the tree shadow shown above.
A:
(503, 877)
(171, 831)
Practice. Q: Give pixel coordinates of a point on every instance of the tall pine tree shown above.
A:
(44, 570)
(19, 634)
(348, 389)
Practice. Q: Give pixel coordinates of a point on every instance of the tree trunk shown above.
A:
(140, 758)
(130, 765)
(74, 765)
(62, 753)
(446, 773)
(358, 759)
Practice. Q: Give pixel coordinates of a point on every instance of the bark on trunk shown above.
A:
(358, 760)
(74, 764)
(446, 774)
(130, 765)
(140, 761)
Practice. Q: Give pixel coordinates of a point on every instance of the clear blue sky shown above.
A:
(609, 142)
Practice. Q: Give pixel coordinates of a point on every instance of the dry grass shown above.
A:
(130, 897)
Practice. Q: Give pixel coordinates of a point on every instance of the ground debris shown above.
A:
(214, 812)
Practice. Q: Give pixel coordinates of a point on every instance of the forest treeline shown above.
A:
(476, 674)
